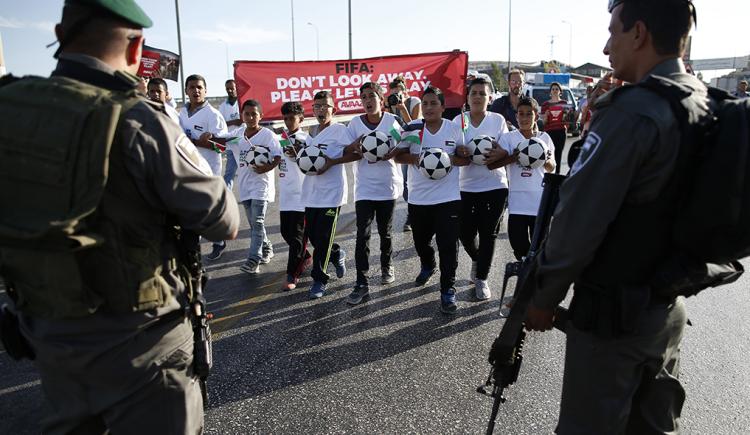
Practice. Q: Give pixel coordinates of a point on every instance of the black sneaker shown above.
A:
(424, 276)
(358, 295)
(216, 252)
(448, 301)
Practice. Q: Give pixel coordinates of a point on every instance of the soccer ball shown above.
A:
(258, 156)
(434, 163)
(294, 140)
(532, 153)
(310, 160)
(375, 145)
(477, 147)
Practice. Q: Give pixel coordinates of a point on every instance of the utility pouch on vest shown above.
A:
(55, 141)
(10, 334)
(611, 312)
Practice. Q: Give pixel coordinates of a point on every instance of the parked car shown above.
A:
(541, 94)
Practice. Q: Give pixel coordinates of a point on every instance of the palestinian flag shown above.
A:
(285, 140)
(464, 121)
(395, 132)
(413, 133)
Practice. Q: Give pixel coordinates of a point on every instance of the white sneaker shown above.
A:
(482, 289)
(473, 273)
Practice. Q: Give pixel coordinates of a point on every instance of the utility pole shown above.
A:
(350, 29)
(179, 49)
(294, 54)
(551, 47)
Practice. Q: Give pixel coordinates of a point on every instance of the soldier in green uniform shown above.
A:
(113, 346)
(611, 229)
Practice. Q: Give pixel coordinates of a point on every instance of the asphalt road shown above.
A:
(396, 364)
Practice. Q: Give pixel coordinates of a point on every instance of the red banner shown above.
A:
(156, 62)
(274, 83)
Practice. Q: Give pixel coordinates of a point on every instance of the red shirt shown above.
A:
(556, 119)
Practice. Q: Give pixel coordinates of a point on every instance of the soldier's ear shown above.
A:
(134, 50)
(641, 35)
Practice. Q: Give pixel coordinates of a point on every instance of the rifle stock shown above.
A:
(506, 353)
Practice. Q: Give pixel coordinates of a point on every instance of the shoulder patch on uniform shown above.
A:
(189, 152)
(588, 149)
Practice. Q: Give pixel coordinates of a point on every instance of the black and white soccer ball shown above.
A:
(477, 147)
(375, 145)
(297, 142)
(310, 160)
(532, 153)
(434, 163)
(258, 156)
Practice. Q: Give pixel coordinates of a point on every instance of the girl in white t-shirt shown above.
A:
(376, 187)
(483, 190)
(434, 205)
(525, 184)
(255, 183)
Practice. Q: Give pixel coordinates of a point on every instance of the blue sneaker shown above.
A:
(317, 290)
(340, 265)
(424, 276)
(448, 301)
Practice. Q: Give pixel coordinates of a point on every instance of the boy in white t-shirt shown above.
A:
(434, 205)
(204, 125)
(525, 184)
(255, 183)
(230, 110)
(377, 185)
(325, 192)
(291, 206)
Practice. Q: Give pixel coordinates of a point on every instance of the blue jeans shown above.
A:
(256, 217)
(231, 169)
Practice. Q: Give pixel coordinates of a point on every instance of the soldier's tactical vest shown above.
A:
(75, 234)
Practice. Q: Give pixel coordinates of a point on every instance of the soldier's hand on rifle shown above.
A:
(539, 319)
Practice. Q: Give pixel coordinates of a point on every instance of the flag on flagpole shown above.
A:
(395, 132)
(464, 121)
(285, 140)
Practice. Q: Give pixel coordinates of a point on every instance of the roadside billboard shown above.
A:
(274, 83)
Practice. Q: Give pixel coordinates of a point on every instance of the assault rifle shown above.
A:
(190, 259)
(506, 354)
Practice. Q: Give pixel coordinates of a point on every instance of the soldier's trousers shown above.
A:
(141, 385)
(625, 385)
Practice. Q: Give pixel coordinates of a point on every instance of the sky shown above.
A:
(216, 33)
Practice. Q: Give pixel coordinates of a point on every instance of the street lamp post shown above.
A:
(179, 48)
(570, 43)
(226, 56)
(317, 39)
(510, 9)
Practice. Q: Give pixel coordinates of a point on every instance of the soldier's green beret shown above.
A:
(127, 10)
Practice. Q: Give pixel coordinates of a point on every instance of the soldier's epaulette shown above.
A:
(610, 96)
(127, 77)
(8, 79)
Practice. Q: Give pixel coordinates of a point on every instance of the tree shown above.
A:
(497, 76)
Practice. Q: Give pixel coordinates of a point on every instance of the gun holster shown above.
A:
(611, 312)
(10, 334)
